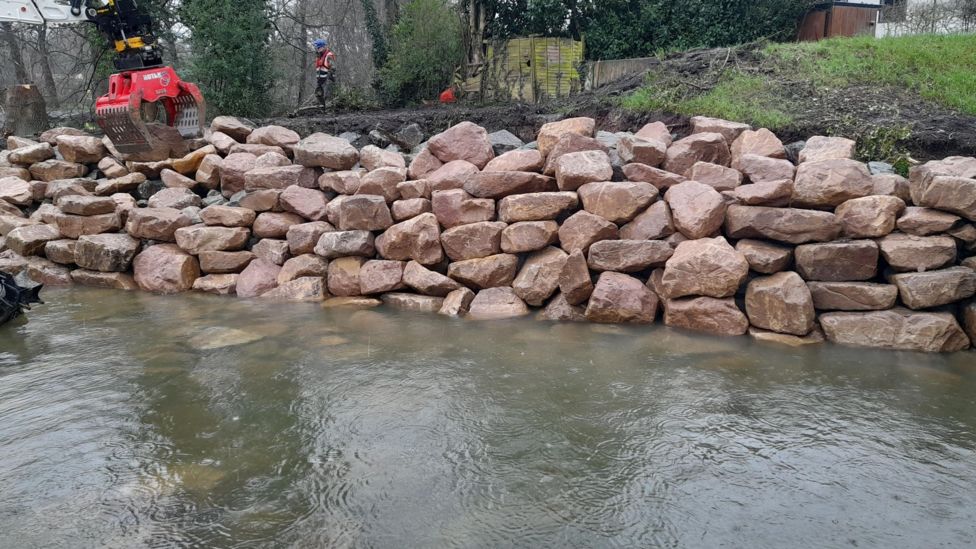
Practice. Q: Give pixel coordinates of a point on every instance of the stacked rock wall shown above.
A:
(724, 231)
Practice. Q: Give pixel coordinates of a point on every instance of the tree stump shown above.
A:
(26, 113)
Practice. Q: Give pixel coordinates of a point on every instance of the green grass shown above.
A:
(736, 97)
(939, 68)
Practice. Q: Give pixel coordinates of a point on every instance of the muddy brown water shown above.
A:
(133, 420)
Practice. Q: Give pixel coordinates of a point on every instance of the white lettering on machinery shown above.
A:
(153, 76)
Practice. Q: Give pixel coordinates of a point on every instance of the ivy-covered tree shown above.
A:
(231, 58)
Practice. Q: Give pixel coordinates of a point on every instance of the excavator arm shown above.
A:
(142, 85)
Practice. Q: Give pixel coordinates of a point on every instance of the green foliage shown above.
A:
(231, 54)
(377, 33)
(940, 68)
(425, 50)
(884, 143)
(736, 97)
(352, 99)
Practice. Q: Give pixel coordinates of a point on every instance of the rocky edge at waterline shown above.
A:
(725, 231)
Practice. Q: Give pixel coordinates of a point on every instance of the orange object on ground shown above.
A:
(447, 96)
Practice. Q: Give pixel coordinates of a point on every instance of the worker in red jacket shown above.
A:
(324, 69)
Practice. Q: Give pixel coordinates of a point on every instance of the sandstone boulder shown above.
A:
(217, 284)
(819, 148)
(473, 240)
(31, 239)
(406, 209)
(935, 288)
(414, 189)
(780, 303)
(73, 226)
(582, 229)
(14, 190)
(428, 282)
(174, 198)
(306, 289)
(236, 128)
(760, 169)
(516, 161)
(869, 217)
(275, 224)
(31, 154)
(457, 207)
(274, 136)
(201, 238)
(108, 280)
(529, 236)
(224, 262)
(465, 141)
(729, 130)
(496, 304)
(579, 168)
(227, 216)
(896, 329)
(620, 298)
(232, 170)
(457, 303)
(272, 250)
(165, 269)
(85, 205)
(360, 213)
(767, 193)
(257, 278)
(653, 223)
(343, 278)
(697, 147)
(829, 183)
(840, 261)
(156, 223)
(706, 314)
(698, 210)
(661, 179)
(852, 296)
(485, 272)
(559, 310)
(502, 184)
(650, 152)
(106, 252)
(761, 142)
(452, 175)
(790, 225)
(891, 184)
(917, 253)
(707, 267)
(423, 164)
(59, 251)
(628, 256)
(617, 202)
(551, 132)
(417, 238)
(380, 275)
(575, 283)
(342, 182)
(717, 177)
(308, 203)
(920, 221)
(536, 206)
(372, 158)
(52, 170)
(303, 266)
(539, 277)
(765, 257)
(345, 243)
(81, 149)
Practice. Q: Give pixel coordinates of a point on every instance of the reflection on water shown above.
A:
(131, 420)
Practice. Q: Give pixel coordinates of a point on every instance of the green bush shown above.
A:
(231, 54)
(425, 49)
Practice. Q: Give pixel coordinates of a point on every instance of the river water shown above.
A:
(133, 420)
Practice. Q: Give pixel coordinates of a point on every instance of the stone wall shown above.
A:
(725, 231)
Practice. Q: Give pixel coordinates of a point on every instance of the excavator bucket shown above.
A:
(136, 98)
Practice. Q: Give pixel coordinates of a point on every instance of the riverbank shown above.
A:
(724, 230)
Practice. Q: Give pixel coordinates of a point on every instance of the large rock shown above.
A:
(869, 217)
(208, 173)
(457, 302)
(31, 154)
(217, 284)
(165, 269)
(780, 303)
(760, 169)
(380, 275)
(361, 212)
(576, 169)
(174, 198)
(697, 147)
(60, 251)
(308, 203)
(819, 148)
(617, 202)
(551, 132)
(465, 141)
(414, 189)
(52, 170)
(343, 278)
(232, 170)
(272, 250)
(413, 303)
(417, 239)
(485, 272)
(496, 304)
(473, 240)
(31, 239)
(456, 207)
(582, 229)
(86, 205)
(830, 183)
(81, 149)
(841, 261)
(708, 267)
(539, 277)
(307, 289)
(529, 236)
(935, 288)
(926, 221)
(896, 329)
(575, 282)
(717, 177)
(279, 177)
(852, 296)
(502, 184)
(424, 164)
(571, 143)
(698, 210)
(73, 226)
(343, 182)
(303, 266)
(653, 223)
(946, 184)
(767, 193)
(383, 182)
(260, 201)
(905, 252)
(15, 191)
(372, 158)
(201, 238)
(619, 298)
(405, 209)
(789, 225)
(275, 224)
(345, 243)
(124, 184)
(237, 128)
(452, 175)
(516, 161)
(536, 206)
(303, 237)
(647, 151)
(225, 262)
(428, 282)
(760, 142)
(108, 280)
(257, 278)
(106, 252)
(890, 184)
(228, 216)
(661, 179)
(274, 136)
(628, 256)
(729, 130)
(559, 310)
(706, 314)
(156, 223)
(765, 257)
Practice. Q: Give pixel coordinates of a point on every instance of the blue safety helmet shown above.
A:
(319, 44)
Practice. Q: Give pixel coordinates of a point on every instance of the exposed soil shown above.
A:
(935, 131)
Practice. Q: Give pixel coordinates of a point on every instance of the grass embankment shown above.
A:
(764, 88)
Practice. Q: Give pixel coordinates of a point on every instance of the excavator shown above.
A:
(142, 84)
